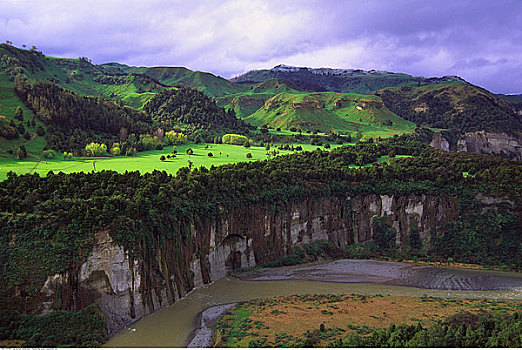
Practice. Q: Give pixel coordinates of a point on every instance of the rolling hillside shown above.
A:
(208, 83)
(326, 111)
(284, 97)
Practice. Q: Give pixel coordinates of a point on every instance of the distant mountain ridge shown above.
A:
(339, 80)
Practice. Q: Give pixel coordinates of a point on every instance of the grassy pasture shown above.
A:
(149, 160)
(289, 321)
(143, 161)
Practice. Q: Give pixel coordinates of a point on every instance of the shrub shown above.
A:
(48, 154)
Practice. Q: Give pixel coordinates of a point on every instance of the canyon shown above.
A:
(127, 287)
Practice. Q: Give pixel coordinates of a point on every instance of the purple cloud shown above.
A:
(476, 39)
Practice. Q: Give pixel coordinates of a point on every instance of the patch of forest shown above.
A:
(189, 106)
(73, 120)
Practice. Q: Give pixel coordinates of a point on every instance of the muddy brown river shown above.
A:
(173, 325)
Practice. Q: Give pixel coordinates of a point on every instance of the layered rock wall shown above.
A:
(127, 288)
(500, 144)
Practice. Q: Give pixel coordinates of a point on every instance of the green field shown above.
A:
(150, 160)
(144, 161)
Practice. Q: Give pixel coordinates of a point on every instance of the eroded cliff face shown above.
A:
(502, 144)
(127, 287)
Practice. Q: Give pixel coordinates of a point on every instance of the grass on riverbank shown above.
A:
(291, 321)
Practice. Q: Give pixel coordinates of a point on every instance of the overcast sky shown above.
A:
(480, 41)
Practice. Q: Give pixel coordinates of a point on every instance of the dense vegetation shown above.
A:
(452, 106)
(188, 106)
(84, 328)
(462, 330)
(47, 225)
(73, 121)
(53, 218)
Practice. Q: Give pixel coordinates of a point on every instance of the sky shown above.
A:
(478, 40)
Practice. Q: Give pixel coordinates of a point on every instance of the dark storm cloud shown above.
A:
(478, 40)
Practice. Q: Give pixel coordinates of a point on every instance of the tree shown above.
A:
(94, 149)
(174, 150)
(190, 151)
(116, 151)
(27, 136)
(249, 155)
(49, 154)
(210, 154)
(21, 128)
(414, 239)
(162, 158)
(234, 139)
(175, 138)
(19, 114)
(21, 152)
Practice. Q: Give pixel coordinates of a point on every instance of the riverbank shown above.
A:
(395, 273)
(172, 326)
(201, 337)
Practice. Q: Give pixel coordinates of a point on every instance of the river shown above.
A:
(172, 326)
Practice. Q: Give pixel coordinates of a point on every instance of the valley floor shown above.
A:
(317, 320)
(149, 161)
(144, 162)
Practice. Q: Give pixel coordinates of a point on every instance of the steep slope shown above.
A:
(339, 80)
(134, 243)
(78, 75)
(347, 113)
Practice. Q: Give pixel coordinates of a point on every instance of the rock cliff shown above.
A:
(501, 144)
(127, 287)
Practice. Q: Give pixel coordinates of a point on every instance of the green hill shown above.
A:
(208, 83)
(246, 103)
(326, 111)
(286, 97)
(78, 75)
(453, 105)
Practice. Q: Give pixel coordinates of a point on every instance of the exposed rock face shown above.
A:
(483, 142)
(127, 288)
(440, 142)
(491, 143)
